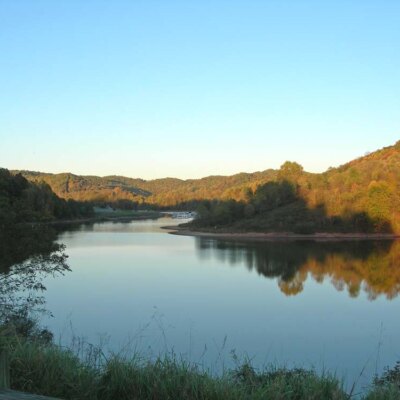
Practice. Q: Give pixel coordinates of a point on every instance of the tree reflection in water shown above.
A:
(371, 266)
(28, 254)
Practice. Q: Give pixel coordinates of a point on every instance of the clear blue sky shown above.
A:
(192, 88)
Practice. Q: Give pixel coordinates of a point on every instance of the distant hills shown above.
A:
(161, 192)
(365, 190)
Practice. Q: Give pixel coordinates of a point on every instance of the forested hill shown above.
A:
(363, 194)
(23, 201)
(161, 192)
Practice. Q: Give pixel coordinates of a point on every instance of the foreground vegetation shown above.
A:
(38, 366)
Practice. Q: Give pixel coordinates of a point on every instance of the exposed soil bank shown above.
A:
(184, 231)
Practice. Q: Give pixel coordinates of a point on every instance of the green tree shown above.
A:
(290, 171)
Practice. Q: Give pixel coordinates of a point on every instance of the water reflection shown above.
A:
(28, 254)
(369, 266)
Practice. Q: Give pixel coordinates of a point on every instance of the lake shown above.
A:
(133, 286)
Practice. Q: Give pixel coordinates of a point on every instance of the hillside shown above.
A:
(363, 194)
(24, 201)
(23, 205)
(369, 184)
(161, 192)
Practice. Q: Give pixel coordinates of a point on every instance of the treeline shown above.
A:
(306, 203)
(160, 193)
(24, 201)
(276, 207)
(362, 195)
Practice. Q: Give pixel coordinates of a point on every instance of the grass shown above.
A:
(48, 369)
(84, 372)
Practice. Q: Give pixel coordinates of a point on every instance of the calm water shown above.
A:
(332, 306)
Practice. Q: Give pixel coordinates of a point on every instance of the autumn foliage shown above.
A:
(362, 195)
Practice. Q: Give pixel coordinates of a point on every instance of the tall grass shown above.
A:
(84, 372)
(48, 369)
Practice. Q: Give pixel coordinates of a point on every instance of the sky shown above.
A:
(194, 88)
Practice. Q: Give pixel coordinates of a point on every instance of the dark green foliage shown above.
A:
(21, 241)
(291, 383)
(273, 195)
(19, 324)
(391, 376)
(28, 253)
(46, 369)
(305, 228)
(41, 367)
(387, 386)
(22, 274)
(50, 370)
(22, 201)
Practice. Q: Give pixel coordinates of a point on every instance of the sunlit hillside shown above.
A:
(364, 191)
(162, 192)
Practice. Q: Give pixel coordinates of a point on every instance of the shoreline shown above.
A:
(278, 236)
(99, 218)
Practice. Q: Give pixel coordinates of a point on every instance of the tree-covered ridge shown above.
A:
(24, 201)
(362, 195)
(370, 184)
(165, 192)
(88, 188)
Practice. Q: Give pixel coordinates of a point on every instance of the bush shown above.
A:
(304, 228)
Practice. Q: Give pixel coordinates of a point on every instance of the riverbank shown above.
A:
(109, 217)
(51, 370)
(271, 236)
